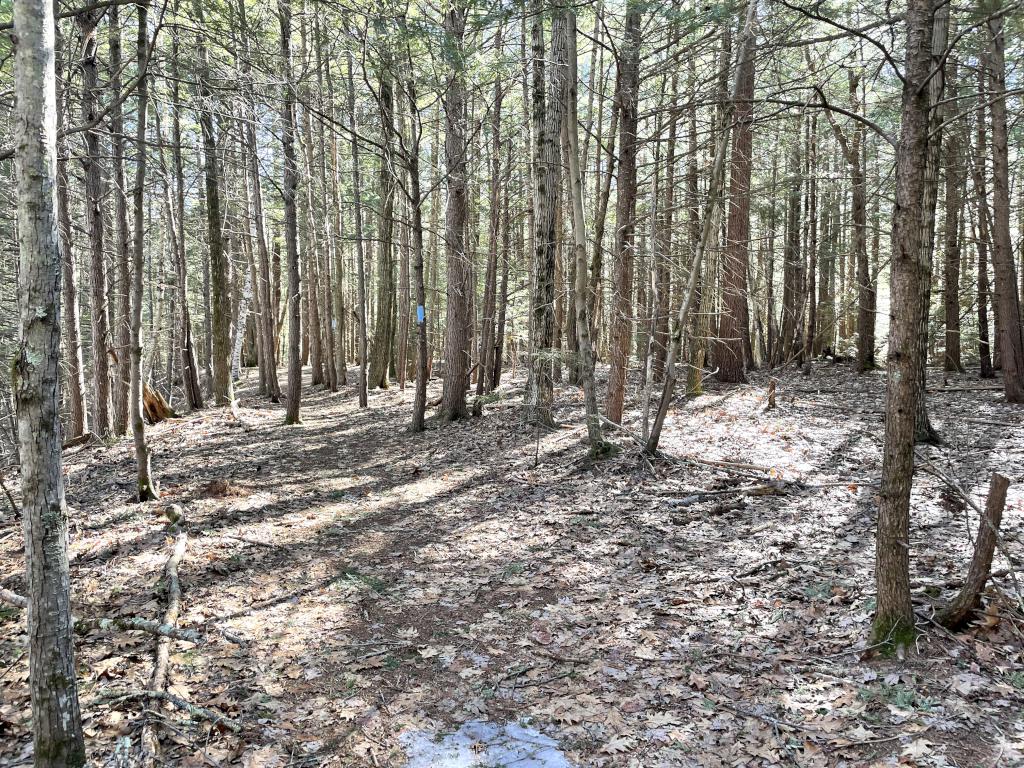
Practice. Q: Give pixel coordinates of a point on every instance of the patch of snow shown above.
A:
(480, 744)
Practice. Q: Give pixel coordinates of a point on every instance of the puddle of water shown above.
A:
(480, 744)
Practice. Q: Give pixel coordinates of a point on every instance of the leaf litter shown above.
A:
(483, 585)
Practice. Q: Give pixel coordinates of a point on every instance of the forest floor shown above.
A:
(392, 587)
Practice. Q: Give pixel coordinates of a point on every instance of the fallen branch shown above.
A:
(963, 605)
(150, 740)
(195, 712)
(129, 623)
(13, 598)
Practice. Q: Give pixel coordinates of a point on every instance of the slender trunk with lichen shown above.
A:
(56, 718)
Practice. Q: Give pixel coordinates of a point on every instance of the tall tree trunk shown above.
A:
(56, 718)
(122, 281)
(1010, 332)
(78, 421)
(189, 363)
(147, 488)
(419, 406)
(459, 312)
(485, 355)
(954, 156)
(267, 315)
(502, 299)
(982, 235)
(549, 112)
(790, 329)
(586, 352)
(357, 213)
(663, 253)
(220, 286)
(382, 346)
(625, 214)
(87, 22)
(935, 87)
(291, 235)
(736, 259)
(893, 623)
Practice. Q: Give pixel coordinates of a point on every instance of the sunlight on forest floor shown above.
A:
(404, 595)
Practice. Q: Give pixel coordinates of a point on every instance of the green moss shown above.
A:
(892, 636)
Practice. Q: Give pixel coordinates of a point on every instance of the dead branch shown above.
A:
(963, 605)
(12, 598)
(129, 623)
(194, 711)
(150, 740)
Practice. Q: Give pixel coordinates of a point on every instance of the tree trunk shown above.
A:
(459, 312)
(893, 625)
(56, 718)
(621, 333)
(357, 213)
(586, 353)
(962, 606)
(267, 315)
(147, 488)
(94, 223)
(485, 354)
(78, 422)
(736, 258)
(419, 406)
(951, 240)
(291, 236)
(548, 115)
(382, 346)
(122, 257)
(935, 86)
(220, 286)
(1010, 332)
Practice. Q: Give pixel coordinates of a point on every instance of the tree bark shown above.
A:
(56, 718)
(485, 355)
(1010, 331)
(291, 237)
(951, 236)
(893, 624)
(459, 312)
(122, 255)
(189, 362)
(357, 213)
(146, 487)
(549, 112)
(78, 421)
(736, 258)
(621, 332)
(382, 346)
(94, 223)
(220, 286)
(586, 352)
